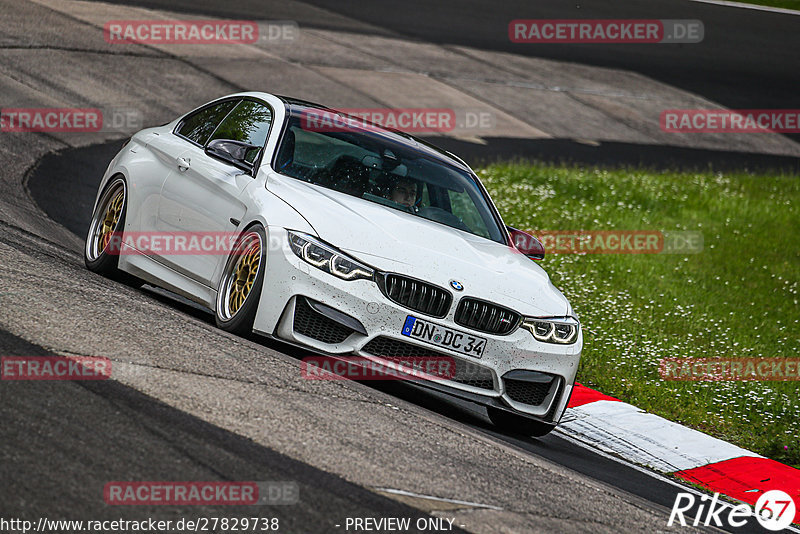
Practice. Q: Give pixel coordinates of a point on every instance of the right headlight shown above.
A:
(323, 256)
(562, 330)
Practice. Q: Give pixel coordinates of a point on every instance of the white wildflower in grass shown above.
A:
(638, 309)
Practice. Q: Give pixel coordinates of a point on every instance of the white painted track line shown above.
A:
(644, 438)
(749, 6)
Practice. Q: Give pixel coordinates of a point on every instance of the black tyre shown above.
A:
(102, 249)
(518, 424)
(240, 285)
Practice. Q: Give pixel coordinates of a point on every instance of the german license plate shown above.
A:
(441, 336)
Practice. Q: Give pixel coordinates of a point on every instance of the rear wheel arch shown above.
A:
(102, 247)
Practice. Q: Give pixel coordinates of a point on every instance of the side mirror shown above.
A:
(236, 153)
(527, 244)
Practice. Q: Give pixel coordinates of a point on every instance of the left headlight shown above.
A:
(562, 330)
(325, 257)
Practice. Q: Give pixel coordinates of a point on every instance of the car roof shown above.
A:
(296, 106)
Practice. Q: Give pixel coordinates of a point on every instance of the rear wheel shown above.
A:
(240, 286)
(518, 424)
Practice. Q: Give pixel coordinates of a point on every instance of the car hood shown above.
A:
(394, 241)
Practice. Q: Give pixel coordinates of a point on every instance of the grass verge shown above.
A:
(737, 298)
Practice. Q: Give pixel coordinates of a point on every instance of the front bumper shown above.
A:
(514, 368)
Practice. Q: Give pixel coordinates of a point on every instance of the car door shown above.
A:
(149, 167)
(164, 149)
(203, 195)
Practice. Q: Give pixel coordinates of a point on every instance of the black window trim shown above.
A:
(238, 100)
(493, 208)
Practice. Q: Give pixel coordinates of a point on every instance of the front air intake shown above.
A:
(415, 294)
(309, 322)
(486, 317)
(466, 372)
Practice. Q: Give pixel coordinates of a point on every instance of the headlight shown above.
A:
(563, 330)
(325, 257)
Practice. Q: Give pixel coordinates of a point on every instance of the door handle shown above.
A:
(184, 164)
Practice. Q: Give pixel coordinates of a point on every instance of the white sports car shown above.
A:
(350, 241)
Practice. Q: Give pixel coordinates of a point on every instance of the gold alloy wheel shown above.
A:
(106, 219)
(240, 275)
(109, 224)
(245, 276)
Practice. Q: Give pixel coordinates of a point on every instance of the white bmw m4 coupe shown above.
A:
(352, 241)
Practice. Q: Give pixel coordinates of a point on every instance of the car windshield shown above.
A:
(384, 168)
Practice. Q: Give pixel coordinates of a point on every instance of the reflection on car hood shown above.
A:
(391, 240)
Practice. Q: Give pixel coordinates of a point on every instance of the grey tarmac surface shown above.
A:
(747, 59)
(505, 100)
(64, 441)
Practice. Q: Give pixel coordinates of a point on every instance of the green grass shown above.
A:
(737, 298)
(786, 4)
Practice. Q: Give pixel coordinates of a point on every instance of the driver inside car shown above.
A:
(404, 193)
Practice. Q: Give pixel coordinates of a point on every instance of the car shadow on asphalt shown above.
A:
(63, 441)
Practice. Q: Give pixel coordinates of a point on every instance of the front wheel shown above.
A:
(518, 424)
(240, 286)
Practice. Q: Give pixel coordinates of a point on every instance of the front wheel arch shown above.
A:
(239, 289)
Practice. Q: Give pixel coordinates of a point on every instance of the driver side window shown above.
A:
(199, 127)
(249, 123)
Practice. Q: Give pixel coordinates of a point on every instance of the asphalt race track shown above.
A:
(729, 66)
(81, 435)
(71, 206)
(190, 402)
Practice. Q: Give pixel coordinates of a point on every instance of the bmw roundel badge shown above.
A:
(455, 284)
